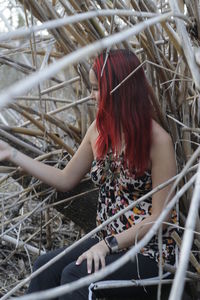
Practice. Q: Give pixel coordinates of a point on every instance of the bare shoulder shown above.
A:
(92, 130)
(92, 127)
(92, 134)
(160, 138)
(162, 149)
(163, 162)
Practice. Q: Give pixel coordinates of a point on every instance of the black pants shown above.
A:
(65, 271)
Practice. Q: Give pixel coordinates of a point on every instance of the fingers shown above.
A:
(96, 263)
(89, 263)
(80, 259)
(103, 263)
(86, 255)
(90, 257)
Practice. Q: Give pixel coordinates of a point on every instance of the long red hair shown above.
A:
(124, 117)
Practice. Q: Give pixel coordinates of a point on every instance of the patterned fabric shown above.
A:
(117, 190)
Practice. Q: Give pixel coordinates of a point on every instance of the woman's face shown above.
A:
(94, 85)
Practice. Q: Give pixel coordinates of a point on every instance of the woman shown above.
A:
(128, 154)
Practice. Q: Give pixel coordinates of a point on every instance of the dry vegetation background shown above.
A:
(46, 110)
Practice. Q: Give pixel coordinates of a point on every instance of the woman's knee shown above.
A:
(73, 272)
(40, 261)
(69, 273)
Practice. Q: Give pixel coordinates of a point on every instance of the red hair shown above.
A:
(127, 112)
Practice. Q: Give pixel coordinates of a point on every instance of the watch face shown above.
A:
(113, 244)
(112, 241)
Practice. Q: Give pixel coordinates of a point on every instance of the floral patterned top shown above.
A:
(117, 190)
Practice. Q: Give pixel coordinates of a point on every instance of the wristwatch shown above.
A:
(112, 243)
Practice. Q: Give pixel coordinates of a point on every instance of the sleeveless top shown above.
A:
(117, 190)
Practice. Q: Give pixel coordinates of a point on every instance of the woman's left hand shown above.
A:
(97, 253)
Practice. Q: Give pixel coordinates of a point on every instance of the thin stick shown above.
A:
(193, 259)
(143, 63)
(35, 98)
(186, 45)
(62, 108)
(187, 242)
(13, 241)
(19, 142)
(60, 85)
(72, 19)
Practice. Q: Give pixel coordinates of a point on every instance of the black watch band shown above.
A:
(112, 243)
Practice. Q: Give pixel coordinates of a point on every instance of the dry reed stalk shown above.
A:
(61, 109)
(26, 216)
(193, 259)
(187, 242)
(21, 130)
(42, 53)
(4, 169)
(19, 33)
(105, 271)
(19, 142)
(55, 121)
(32, 98)
(19, 244)
(187, 47)
(60, 85)
(172, 269)
(78, 54)
(38, 124)
(24, 197)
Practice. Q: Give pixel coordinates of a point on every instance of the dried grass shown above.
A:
(170, 52)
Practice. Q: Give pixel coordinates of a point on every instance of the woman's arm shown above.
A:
(163, 168)
(62, 180)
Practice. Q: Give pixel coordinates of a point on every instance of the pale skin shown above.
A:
(162, 164)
